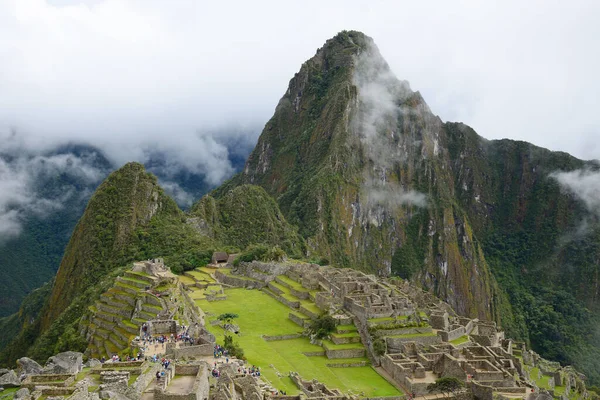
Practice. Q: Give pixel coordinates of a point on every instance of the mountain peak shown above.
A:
(128, 198)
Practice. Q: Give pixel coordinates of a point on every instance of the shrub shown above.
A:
(379, 346)
(262, 253)
(322, 327)
(233, 348)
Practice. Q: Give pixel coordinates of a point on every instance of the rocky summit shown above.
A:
(368, 249)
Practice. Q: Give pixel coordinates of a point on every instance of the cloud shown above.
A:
(124, 75)
(584, 184)
(22, 186)
(179, 194)
(392, 196)
(376, 122)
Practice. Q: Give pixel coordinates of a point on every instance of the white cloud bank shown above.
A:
(584, 184)
(19, 192)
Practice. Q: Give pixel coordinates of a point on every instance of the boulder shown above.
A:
(27, 366)
(22, 394)
(69, 362)
(3, 371)
(93, 363)
(10, 379)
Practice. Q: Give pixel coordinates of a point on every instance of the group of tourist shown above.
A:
(117, 358)
(220, 351)
(252, 371)
(165, 363)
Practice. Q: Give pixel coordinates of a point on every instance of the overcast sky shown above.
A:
(126, 75)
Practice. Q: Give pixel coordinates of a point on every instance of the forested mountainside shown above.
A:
(49, 192)
(354, 168)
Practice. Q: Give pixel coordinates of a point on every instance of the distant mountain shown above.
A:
(54, 188)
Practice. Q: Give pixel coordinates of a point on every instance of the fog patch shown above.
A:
(584, 184)
(22, 190)
(376, 123)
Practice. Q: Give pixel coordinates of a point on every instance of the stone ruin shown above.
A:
(431, 343)
(316, 390)
(155, 267)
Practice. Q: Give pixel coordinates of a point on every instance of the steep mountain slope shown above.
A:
(374, 180)
(50, 191)
(355, 158)
(129, 217)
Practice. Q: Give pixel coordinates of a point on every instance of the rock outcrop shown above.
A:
(69, 362)
(27, 366)
(9, 380)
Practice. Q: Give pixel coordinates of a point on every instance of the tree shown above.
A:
(322, 326)
(227, 317)
(445, 385)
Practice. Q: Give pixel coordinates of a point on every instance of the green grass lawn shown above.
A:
(460, 340)
(259, 314)
(201, 276)
(186, 280)
(292, 283)
(8, 393)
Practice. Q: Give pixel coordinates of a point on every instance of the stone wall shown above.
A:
(448, 366)
(199, 390)
(347, 353)
(122, 364)
(189, 351)
(299, 321)
(439, 321)
(238, 281)
(282, 337)
(448, 336)
(396, 343)
(162, 327)
(135, 390)
(291, 304)
(404, 331)
(299, 293)
(482, 392)
(482, 339)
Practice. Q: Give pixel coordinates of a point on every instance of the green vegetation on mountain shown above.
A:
(128, 218)
(243, 216)
(30, 259)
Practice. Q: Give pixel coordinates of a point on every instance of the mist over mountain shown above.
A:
(43, 192)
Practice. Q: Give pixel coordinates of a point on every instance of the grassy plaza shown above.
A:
(260, 314)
